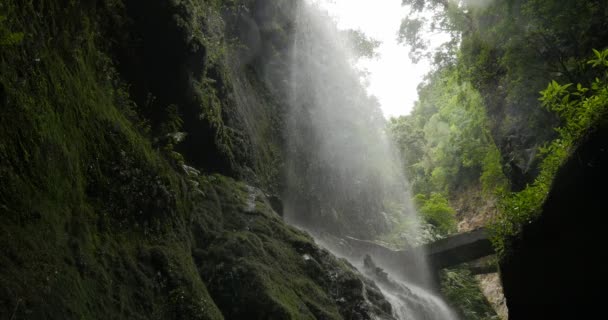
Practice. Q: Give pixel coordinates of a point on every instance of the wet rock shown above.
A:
(276, 203)
(554, 268)
(274, 271)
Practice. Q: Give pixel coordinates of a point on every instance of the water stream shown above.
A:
(344, 178)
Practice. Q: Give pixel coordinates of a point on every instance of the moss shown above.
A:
(77, 178)
(260, 268)
(97, 221)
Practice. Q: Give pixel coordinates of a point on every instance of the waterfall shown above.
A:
(343, 176)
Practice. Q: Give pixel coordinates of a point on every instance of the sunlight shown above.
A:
(393, 77)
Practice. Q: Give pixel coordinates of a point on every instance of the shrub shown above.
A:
(580, 108)
(436, 210)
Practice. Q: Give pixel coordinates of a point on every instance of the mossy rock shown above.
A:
(258, 267)
(97, 222)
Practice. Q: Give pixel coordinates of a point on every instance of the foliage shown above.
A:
(94, 221)
(8, 38)
(436, 210)
(446, 146)
(492, 177)
(409, 230)
(460, 288)
(362, 45)
(77, 177)
(430, 17)
(508, 51)
(479, 120)
(445, 142)
(579, 108)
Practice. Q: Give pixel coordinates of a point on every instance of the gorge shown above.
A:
(210, 159)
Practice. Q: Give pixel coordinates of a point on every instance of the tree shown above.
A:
(509, 50)
(436, 210)
(580, 108)
(362, 45)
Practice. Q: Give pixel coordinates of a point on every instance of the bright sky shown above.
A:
(393, 77)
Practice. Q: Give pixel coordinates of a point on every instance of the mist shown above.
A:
(344, 177)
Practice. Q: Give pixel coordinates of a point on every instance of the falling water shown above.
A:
(344, 178)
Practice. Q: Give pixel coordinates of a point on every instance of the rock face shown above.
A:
(104, 214)
(492, 289)
(555, 268)
(260, 268)
(475, 210)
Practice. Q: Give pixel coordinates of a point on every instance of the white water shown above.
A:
(409, 300)
(341, 168)
(417, 304)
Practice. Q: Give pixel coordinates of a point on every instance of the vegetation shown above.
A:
(76, 174)
(479, 120)
(436, 211)
(448, 151)
(461, 289)
(510, 97)
(100, 218)
(131, 131)
(580, 108)
(8, 38)
(447, 146)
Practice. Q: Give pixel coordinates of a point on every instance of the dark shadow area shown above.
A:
(555, 270)
(3, 96)
(163, 63)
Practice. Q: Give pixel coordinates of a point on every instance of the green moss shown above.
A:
(7, 37)
(97, 221)
(260, 268)
(77, 178)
